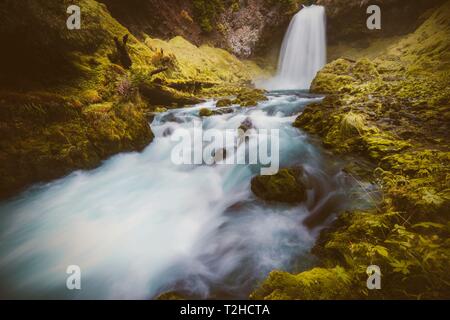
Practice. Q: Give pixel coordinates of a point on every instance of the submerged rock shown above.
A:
(286, 186)
(246, 125)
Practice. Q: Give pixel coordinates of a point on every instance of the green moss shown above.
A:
(202, 64)
(285, 186)
(224, 103)
(248, 97)
(204, 112)
(389, 111)
(318, 283)
(206, 13)
(46, 136)
(171, 296)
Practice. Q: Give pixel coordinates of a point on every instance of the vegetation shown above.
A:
(72, 99)
(394, 111)
(285, 186)
(206, 12)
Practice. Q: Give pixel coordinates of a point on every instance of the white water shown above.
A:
(140, 225)
(303, 52)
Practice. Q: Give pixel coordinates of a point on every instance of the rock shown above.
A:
(286, 186)
(250, 97)
(246, 125)
(317, 283)
(224, 103)
(171, 295)
(219, 155)
(167, 132)
(205, 112)
(344, 76)
(346, 19)
(160, 109)
(158, 94)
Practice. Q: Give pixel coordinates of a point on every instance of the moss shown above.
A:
(285, 186)
(204, 112)
(157, 94)
(343, 75)
(160, 109)
(46, 136)
(202, 64)
(224, 103)
(206, 13)
(391, 112)
(318, 283)
(171, 295)
(248, 97)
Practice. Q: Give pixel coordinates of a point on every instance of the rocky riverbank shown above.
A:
(71, 98)
(394, 111)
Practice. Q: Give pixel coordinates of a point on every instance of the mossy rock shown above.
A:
(52, 136)
(157, 94)
(285, 186)
(224, 103)
(341, 76)
(171, 295)
(205, 112)
(318, 283)
(160, 110)
(250, 97)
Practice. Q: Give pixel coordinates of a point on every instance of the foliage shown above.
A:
(392, 110)
(206, 13)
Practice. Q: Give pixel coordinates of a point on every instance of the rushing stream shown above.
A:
(139, 225)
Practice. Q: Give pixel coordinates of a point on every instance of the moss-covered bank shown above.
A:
(71, 98)
(395, 111)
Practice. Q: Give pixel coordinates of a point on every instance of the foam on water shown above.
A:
(140, 225)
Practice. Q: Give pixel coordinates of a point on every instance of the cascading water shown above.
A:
(303, 52)
(140, 225)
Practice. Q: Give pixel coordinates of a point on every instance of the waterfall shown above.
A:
(303, 52)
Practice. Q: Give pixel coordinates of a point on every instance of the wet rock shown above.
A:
(246, 125)
(250, 97)
(224, 103)
(219, 155)
(286, 186)
(205, 112)
(167, 132)
(323, 210)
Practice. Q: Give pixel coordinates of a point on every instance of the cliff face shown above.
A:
(347, 18)
(255, 27)
(245, 28)
(156, 18)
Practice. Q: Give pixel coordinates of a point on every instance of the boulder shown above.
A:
(286, 186)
